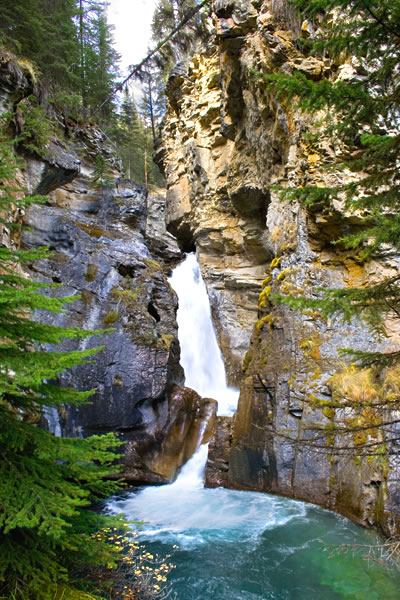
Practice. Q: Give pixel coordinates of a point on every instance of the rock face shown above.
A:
(225, 140)
(100, 253)
(216, 474)
(109, 248)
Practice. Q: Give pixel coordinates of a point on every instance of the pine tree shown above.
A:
(43, 31)
(131, 139)
(153, 102)
(167, 15)
(47, 483)
(98, 60)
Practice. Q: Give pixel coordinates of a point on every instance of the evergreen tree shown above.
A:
(167, 15)
(46, 483)
(43, 31)
(99, 60)
(153, 102)
(131, 142)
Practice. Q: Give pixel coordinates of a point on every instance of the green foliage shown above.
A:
(111, 317)
(98, 59)
(71, 43)
(134, 141)
(103, 174)
(44, 32)
(361, 117)
(37, 128)
(167, 15)
(47, 483)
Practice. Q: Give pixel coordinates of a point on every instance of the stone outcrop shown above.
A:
(100, 254)
(225, 141)
(110, 249)
(217, 469)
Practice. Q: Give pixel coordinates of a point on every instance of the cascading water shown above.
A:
(201, 357)
(236, 545)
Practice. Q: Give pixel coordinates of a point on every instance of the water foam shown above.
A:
(201, 357)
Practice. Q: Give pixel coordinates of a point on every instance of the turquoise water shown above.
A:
(249, 546)
(243, 545)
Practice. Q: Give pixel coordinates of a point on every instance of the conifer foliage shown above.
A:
(167, 16)
(362, 120)
(46, 482)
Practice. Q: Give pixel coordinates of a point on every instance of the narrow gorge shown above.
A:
(225, 142)
(235, 413)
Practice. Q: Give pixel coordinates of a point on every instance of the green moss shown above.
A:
(59, 258)
(152, 264)
(268, 319)
(118, 381)
(247, 360)
(166, 340)
(128, 297)
(111, 317)
(97, 232)
(91, 272)
(329, 413)
(86, 297)
(67, 593)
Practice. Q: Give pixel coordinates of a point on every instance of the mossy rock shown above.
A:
(91, 272)
(111, 317)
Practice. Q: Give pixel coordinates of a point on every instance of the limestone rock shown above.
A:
(225, 142)
(169, 440)
(16, 82)
(100, 240)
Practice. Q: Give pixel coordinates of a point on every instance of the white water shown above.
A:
(53, 420)
(200, 355)
(185, 504)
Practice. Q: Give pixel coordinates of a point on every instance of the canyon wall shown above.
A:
(226, 141)
(109, 248)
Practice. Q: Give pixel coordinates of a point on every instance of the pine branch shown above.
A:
(137, 68)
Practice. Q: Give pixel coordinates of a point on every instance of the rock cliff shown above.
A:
(224, 142)
(110, 249)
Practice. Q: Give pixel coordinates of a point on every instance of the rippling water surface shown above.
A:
(243, 545)
(248, 546)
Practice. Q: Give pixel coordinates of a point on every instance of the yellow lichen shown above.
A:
(266, 281)
(263, 297)
(268, 319)
(276, 262)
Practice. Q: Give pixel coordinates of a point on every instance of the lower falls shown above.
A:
(236, 545)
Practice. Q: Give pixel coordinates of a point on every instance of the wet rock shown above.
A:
(170, 438)
(100, 255)
(216, 474)
(16, 82)
(161, 243)
(221, 166)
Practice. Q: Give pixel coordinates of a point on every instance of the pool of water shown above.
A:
(235, 545)
(243, 545)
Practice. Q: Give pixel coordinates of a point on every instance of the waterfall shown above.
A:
(182, 503)
(201, 357)
(53, 420)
